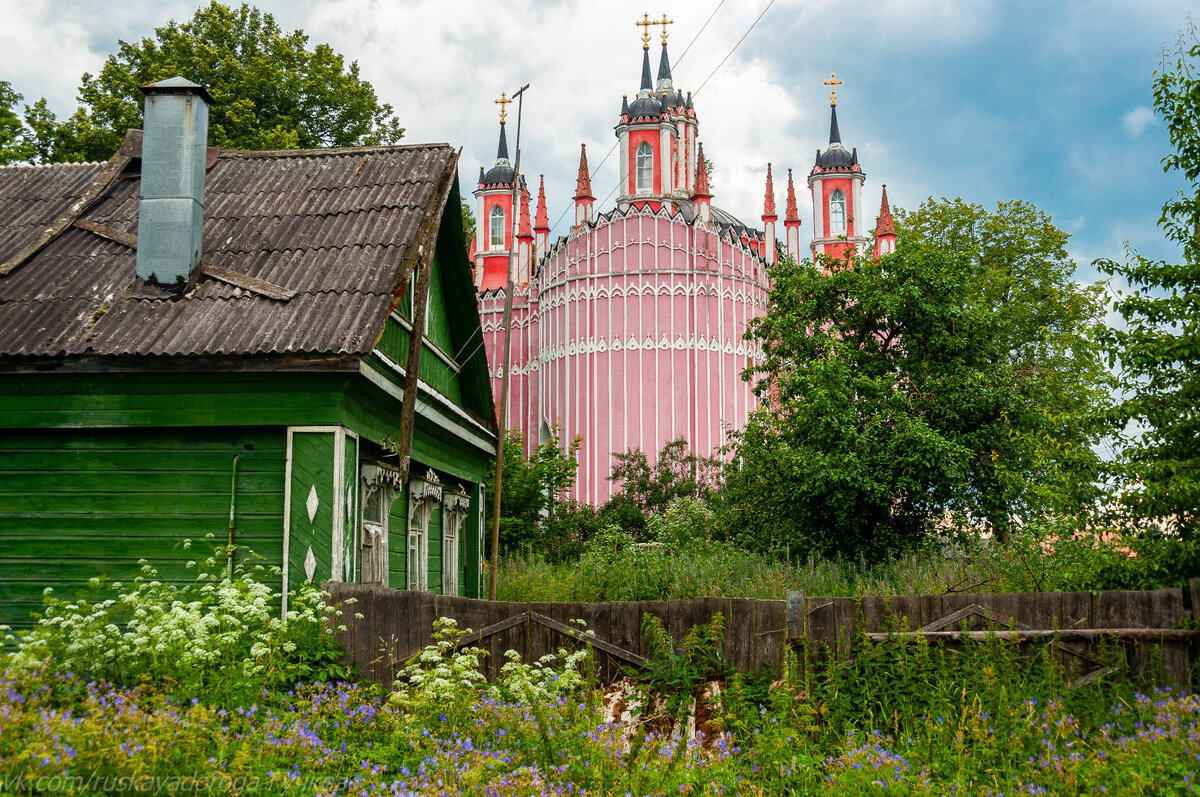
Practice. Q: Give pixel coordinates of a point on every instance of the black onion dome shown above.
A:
(501, 174)
(646, 106)
(836, 157)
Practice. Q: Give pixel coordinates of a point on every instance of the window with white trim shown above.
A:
(424, 498)
(380, 486)
(645, 168)
(496, 228)
(837, 212)
(454, 517)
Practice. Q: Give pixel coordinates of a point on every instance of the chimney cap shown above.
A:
(177, 85)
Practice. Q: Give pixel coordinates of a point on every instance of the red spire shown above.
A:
(769, 202)
(523, 231)
(541, 223)
(583, 184)
(701, 177)
(883, 225)
(792, 213)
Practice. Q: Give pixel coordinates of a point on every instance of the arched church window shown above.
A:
(837, 211)
(496, 228)
(645, 168)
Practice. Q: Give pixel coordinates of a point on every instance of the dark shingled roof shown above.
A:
(333, 226)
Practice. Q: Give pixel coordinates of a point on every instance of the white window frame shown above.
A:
(455, 505)
(644, 160)
(424, 495)
(386, 482)
(496, 227)
(837, 212)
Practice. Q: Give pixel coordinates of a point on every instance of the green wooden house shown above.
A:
(200, 342)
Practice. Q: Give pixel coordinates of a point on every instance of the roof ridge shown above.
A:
(325, 151)
(23, 165)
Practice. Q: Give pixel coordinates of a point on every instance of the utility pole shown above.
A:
(502, 416)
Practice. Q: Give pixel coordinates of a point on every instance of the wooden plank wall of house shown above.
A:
(1148, 627)
(80, 503)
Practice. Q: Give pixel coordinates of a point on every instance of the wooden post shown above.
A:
(502, 413)
(1194, 590)
(422, 272)
(795, 615)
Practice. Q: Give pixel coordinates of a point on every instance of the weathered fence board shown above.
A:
(1144, 631)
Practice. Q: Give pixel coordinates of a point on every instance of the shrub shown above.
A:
(221, 635)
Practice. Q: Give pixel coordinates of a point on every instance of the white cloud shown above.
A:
(1136, 120)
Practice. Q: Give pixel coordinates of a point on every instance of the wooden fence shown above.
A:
(1147, 627)
(396, 624)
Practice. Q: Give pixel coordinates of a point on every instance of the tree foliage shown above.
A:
(270, 90)
(647, 488)
(532, 489)
(1159, 350)
(898, 391)
(14, 139)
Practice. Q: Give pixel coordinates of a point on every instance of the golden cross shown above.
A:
(645, 24)
(502, 102)
(833, 83)
(664, 22)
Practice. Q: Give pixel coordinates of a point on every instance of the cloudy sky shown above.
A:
(1030, 99)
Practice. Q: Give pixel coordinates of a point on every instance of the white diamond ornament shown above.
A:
(310, 564)
(312, 504)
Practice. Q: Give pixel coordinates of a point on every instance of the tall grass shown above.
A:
(721, 570)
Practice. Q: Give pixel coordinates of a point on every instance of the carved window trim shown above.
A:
(424, 495)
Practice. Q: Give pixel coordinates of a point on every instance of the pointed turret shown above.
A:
(541, 223)
(647, 84)
(835, 135)
(769, 219)
(524, 238)
(701, 196)
(885, 229)
(583, 190)
(664, 70)
(791, 221)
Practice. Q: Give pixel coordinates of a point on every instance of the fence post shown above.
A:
(795, 614)
(1194, 589)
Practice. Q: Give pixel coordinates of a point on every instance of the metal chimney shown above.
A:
(171, 210)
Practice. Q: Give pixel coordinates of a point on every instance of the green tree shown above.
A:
(894, 396)
(14, 139)
(648, 489)
(1158, 352)
(270, 90)
(468, 221)
(532, 489)
(1049, 329)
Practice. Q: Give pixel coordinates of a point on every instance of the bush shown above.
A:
(218, 636)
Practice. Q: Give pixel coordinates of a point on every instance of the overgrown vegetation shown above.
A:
(220, 635)
(900, 716)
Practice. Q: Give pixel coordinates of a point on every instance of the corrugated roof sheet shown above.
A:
(332, 225)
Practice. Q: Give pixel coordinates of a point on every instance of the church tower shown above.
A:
(657, 133)
(836, 183)
(494, 212)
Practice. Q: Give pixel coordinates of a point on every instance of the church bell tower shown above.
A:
(836, 182)
(658, 133)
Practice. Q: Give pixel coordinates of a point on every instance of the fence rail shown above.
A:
(1149, 627)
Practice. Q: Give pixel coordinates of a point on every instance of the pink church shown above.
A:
(628, 332)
